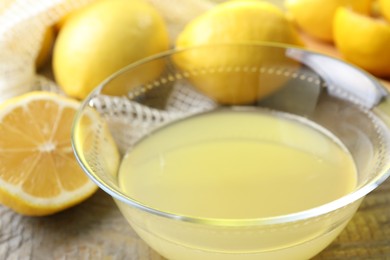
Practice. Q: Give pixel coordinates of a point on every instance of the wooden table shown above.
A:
(95, 229)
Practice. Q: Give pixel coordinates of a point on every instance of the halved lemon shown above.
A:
(384, 7)
(39, 174)
(367, 44)
(315, 17)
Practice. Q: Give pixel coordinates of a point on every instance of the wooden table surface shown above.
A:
(95, 229)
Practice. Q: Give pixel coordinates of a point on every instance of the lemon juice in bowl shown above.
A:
(237, 164)
(219, 164)
(262, 180)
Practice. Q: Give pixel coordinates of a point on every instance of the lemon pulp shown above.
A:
(39, 173)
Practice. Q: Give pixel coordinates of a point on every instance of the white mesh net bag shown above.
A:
(23, 24)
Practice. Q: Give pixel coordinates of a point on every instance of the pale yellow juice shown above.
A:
(237, 164)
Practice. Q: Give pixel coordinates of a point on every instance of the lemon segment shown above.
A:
(39, 173)
(367, 44)
(102, 38)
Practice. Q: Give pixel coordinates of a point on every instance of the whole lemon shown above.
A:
(315, 17)
(367, 44)
(239, 21)
(236, 22)
(104, 37)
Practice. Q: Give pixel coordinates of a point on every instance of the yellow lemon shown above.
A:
(363, 40)
(315, 17)
(60, 23)
(235, 22)
(384, 7)
(104, 37)
(46, 48)
(39, 174)
(239, 21)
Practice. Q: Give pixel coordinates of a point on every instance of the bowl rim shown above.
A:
(117, 194)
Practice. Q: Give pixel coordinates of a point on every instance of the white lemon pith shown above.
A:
(101, 39)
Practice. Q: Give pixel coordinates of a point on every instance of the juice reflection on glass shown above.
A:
(235, 164)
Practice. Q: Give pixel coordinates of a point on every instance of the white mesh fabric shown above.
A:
(22, 27)
(24, 22)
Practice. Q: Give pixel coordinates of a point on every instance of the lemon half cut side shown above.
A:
(39, 174)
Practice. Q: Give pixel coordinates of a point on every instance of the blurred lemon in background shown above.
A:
(60, 23)
(46, 48)
(363, 40)
(102, 38)
(384, 8)
(249, 21)
(315, 17)
(239, 21)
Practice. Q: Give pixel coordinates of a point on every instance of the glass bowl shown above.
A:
(201, 112)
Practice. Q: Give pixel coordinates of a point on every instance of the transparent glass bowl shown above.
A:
(153, 92)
